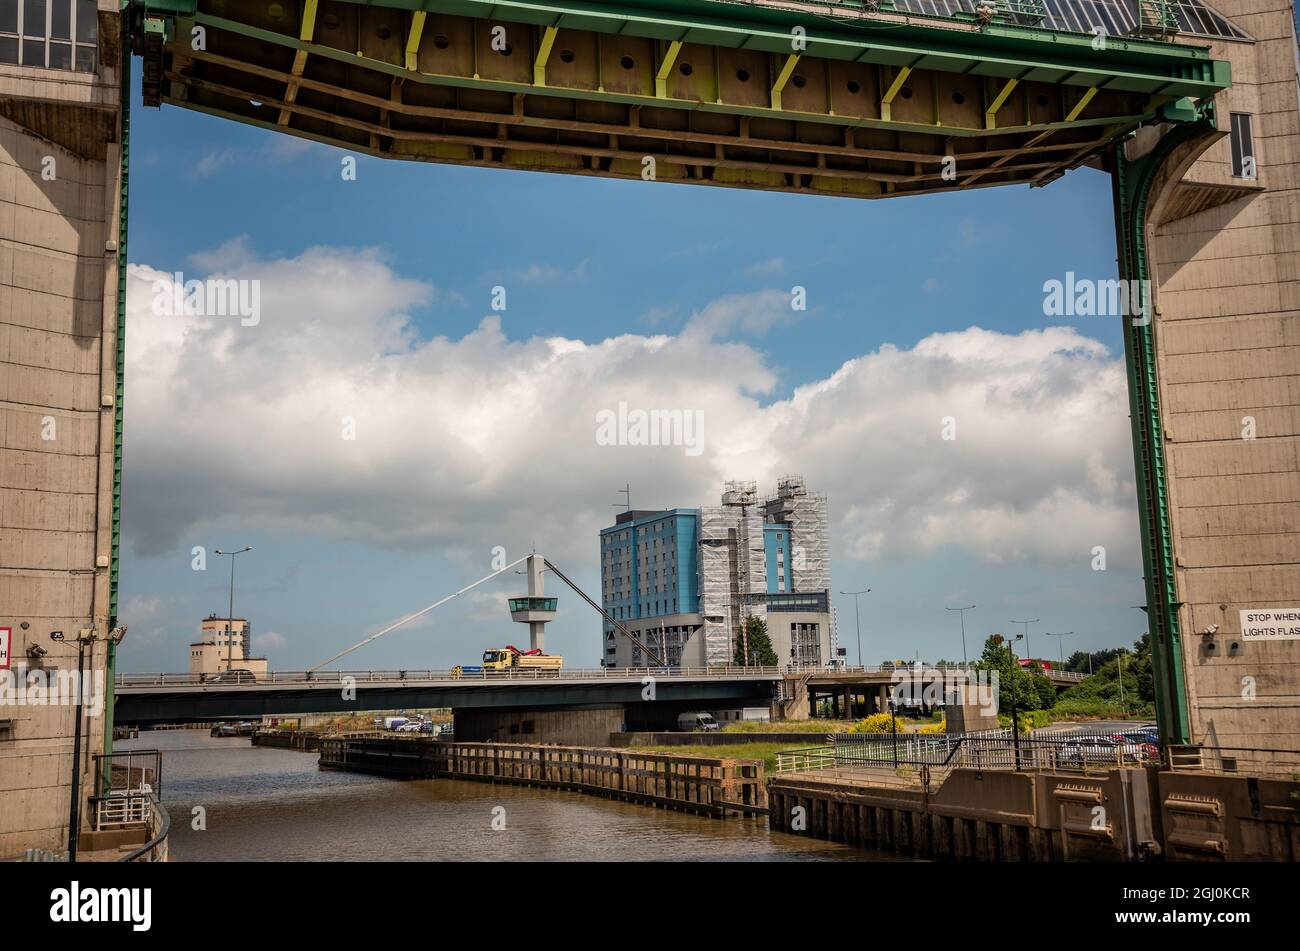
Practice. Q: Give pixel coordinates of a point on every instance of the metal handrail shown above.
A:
(163, 823)
(330, 677)
(452, 674)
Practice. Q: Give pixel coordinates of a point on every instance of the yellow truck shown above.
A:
(512, 658)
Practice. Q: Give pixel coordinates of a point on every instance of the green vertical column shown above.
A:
(1132, 189)
(119, 364)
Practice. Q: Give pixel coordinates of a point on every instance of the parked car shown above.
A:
(411, 726)
(235, 676)
(697, 720)
(1099, 750)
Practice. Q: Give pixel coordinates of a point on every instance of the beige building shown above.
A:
(223, 645)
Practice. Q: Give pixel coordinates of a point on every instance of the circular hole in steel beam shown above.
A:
(906, 92)
(566, 56)
(441, 42)
(958, 98)
(627, 62)
(797, 81)
(742, 75)
(383, 32)
(854, 87)
(685, 69)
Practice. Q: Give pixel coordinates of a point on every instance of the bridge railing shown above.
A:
(398, 677)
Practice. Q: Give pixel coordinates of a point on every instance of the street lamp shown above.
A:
(1015, 719)
(1060, 643)
(1028, 652)
(230, 614)
(962, 612)
(857, 620)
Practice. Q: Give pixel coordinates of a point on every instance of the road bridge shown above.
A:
(646, 695)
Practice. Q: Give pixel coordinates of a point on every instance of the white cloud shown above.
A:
(465, 444)
(268, 640)
(146, 619)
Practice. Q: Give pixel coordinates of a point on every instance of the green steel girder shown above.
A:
(1133, 181)
(1131, 64)
(999, 51)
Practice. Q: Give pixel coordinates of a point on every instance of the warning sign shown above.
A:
(6, 637)
(1271, 624)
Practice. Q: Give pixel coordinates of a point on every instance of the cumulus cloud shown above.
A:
(482, 440)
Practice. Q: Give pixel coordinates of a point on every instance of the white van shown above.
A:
(696, 720)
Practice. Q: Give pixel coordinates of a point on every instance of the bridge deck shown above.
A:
(863, 103)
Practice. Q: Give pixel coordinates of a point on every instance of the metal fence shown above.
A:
(1245, 761)
(939, 752)
(436, 675)
(241, 678)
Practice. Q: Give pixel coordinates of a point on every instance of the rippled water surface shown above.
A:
(276, 804)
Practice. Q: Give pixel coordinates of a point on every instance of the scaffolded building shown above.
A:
(733, 576)
(810, 567)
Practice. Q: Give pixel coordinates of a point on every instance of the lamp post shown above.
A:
(1028, 652)
(1060, 643)
(86, 636)
(857, 620)
(230, 614)
(962, 612)
(1015, 718)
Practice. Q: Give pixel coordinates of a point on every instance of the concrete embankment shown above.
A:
(705, 785)
(1117, 814)
(288, 740)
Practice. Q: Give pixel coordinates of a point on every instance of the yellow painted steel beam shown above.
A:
(666, 67)
(991, 113)
(413, 40)
(305, 33)
(1070, 117)
(782, 78)
(892, 91)
(543, 54)
(1081, 104)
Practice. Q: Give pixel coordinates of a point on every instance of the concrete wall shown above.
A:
(1228, 339)
(58, 273)
(579, 726)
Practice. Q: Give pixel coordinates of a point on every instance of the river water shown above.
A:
(272, 804)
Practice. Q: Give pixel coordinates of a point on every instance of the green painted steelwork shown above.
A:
(1132, 190)
(1000, 51)
(119, 366)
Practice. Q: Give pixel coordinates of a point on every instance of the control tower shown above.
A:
(535, 609)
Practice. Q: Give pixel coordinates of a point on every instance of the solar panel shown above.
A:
(1114, 17)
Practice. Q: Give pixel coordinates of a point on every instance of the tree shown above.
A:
(1033, 690)
(759, 645)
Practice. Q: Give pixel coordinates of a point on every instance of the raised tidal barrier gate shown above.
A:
(708, 786)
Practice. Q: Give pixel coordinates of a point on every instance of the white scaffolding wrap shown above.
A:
(733, 574)
(809, 548)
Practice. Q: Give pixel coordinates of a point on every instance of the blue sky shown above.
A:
(591, 260)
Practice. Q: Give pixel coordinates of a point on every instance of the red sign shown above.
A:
(6, 638)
